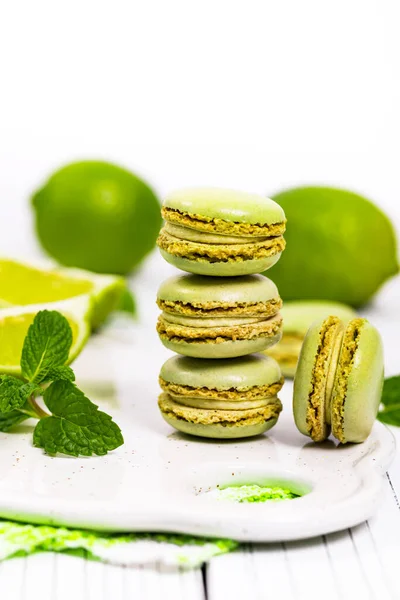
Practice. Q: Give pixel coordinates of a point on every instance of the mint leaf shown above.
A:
(46, 345)
(62, 373)
(14, 393)
(390, 413)
(10, 396)
(127, 302)
(76, 427)
(14, 417)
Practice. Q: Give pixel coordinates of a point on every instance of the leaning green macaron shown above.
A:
(218, 232)
(339, 378)
(232, 398)
(298, 316)
(219, 317)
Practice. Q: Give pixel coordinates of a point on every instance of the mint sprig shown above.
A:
(390, 410)
(74, 425)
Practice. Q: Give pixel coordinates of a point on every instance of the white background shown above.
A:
(254, 94)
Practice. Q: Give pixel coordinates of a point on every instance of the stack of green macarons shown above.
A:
(221, 313)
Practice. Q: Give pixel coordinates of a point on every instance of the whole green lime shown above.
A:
(340, 247)
(97, 216)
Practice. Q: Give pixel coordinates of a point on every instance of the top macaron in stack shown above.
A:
(219, 232)
(225, 310)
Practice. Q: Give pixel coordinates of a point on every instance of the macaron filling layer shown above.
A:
(193, 235)
(223, 417)
(219, 333)
(204, 321)
(222, 309)
(223, 404)
(226, 227)
(256, 392)
(212, 253)
(320, 394)
(346, 360)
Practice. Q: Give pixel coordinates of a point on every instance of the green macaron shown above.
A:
(298, 316)
(339, 378)
(232, 398)
(219, 317)
(218, 232)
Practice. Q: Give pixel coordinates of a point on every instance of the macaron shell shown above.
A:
(303, 378)
(201, 290)
(288, 368)
(228, 205)
(221, 269)
(237, 373)
(299, 315)
(287, 353)
(218, 431)
(229, 349)
(364, 387)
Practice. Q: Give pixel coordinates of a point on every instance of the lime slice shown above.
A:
(26, 283)
(15, 321)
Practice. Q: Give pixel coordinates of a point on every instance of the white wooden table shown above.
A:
(363, 562)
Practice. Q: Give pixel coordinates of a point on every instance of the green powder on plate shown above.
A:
(255, 493)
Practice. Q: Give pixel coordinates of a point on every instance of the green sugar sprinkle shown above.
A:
(255, 493)
(22, 539)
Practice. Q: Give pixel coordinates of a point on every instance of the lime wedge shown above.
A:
(25, 283)
(15, 321)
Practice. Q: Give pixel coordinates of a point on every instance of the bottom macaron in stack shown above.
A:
(232, 398)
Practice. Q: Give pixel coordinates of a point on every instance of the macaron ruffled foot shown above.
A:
(338, 382)
(222, 399)
(216, 232)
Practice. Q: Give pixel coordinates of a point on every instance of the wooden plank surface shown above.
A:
(362, 562)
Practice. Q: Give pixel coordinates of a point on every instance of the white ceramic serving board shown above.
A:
(161, 480)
